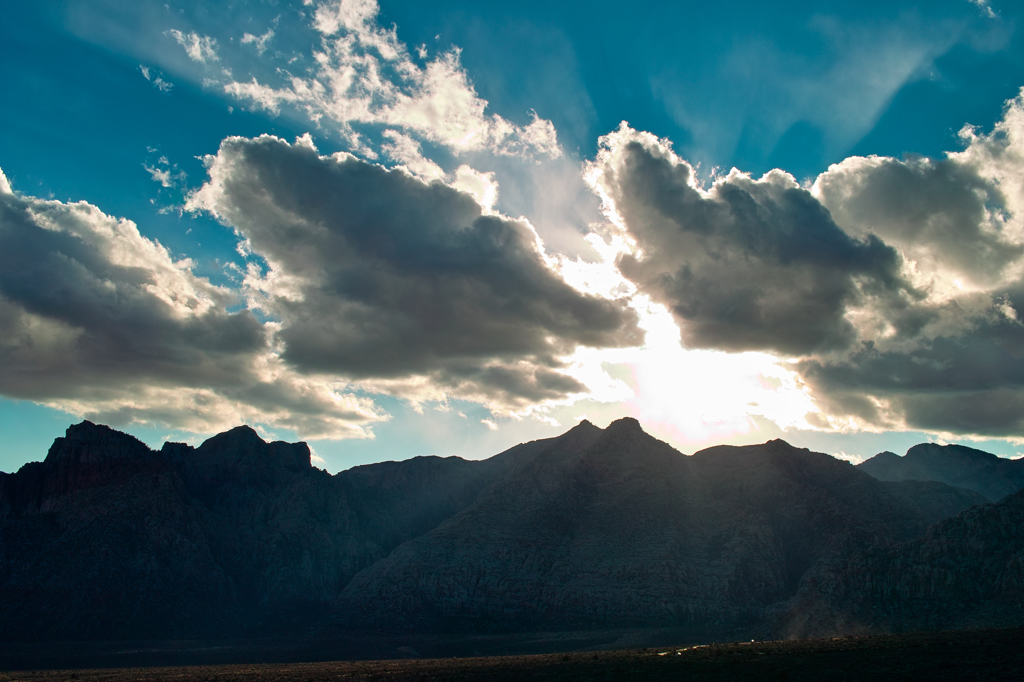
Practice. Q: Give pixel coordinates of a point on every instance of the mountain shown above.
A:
(935, 501)
(956, 465)
(613, 528)
(966, 571)
(108, 539)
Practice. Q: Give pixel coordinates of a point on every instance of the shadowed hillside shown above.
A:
(615, 528)
(965, 571)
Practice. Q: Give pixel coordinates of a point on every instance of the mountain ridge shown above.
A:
(956, 465)
(109, 539)
(554, 522)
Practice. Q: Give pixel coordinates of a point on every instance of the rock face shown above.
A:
(955, 465)
(107, 539)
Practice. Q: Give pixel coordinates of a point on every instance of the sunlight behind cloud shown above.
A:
(695, 395)
(700, 395)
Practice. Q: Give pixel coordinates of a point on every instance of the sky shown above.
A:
(397, 229)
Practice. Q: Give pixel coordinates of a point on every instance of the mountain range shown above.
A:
(597, 528)
(956, 465)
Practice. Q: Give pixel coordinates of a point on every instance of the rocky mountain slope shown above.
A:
(956, 465)
(107, 539)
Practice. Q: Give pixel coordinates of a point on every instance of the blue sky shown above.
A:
(492, 257)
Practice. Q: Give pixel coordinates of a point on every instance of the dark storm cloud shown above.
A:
(748, 265)
(72, 315)
(377, 274)
(523, 384)
(970, 381)
(100, 321)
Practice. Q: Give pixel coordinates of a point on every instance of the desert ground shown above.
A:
(955, 655)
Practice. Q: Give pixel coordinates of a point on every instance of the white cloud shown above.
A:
(407, 151)
(482, 186)
(261, 96)
(365, 75)
(985, 8)
(163, 176)
(199, 48)
(260, 42)
(168, 176)
(156, 79)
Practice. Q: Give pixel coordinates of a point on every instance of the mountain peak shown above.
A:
(585, 426)
(243, 436)
(626, 424)
(926, 450)
(955, 465)
(242, 446)
(243, 431)
(87, 430)
(87, 441)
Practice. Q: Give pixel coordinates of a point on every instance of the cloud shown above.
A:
(750, 264)
(161, 175)
(952, 362)
(985, 8)
(156, 79)
(365, 75)
(102, 322)
(199, 48)
(260, 42)
(405, 150)
(944, 215)
(408, 152)
(404, 285)
(166, 174)
(967, 383)
(895, 286)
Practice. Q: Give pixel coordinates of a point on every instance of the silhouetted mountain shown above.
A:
(615, 528)
(108, 539)
(966, 571)
(956, 465)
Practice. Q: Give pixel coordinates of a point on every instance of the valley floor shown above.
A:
(955, 655)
